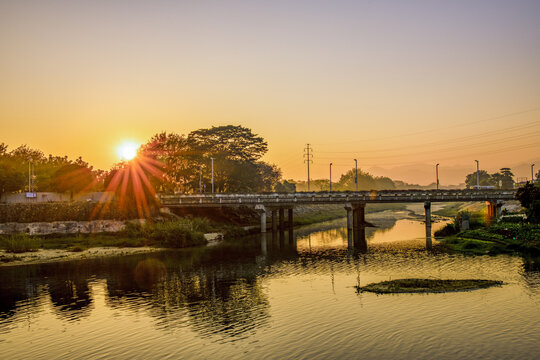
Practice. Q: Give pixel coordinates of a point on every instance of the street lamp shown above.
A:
(532, 173)
(437, 174)
(330, 177)
(356, 176)
(212, 174)
(477, 173)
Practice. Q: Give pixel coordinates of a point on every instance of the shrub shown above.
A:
(174, 234)
(19, 243)
(447, 230)
(75, 211)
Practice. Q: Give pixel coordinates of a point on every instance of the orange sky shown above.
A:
(398, 85)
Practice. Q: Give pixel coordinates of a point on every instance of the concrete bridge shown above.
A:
(353, 202)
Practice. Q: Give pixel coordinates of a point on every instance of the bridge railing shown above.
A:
(337, 197)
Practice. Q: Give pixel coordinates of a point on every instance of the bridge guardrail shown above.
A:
(337, 197)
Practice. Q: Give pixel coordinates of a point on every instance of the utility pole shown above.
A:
(212, 175)
(200, 180)
(308, 154)
(29, 174)
(437, 174)
(356, 175)
(532, 173)
(330, 177)
(477, 174)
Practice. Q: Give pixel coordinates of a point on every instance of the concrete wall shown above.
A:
(15, 198)
(64, 227)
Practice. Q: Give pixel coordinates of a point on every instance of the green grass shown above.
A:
(19, 243)
(503, 238)
(426, 286)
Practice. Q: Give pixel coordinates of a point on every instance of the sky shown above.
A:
(398, 85)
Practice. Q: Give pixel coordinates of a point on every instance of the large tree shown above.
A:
(504, 179)
(485, 179)
(234, 151)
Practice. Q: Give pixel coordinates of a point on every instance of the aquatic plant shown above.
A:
(426, 286)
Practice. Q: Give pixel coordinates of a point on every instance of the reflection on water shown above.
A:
(272, 297)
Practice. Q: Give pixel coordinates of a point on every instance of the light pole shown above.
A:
(29, 174)
(330, 177)
(477, 173)
(212, 174)
(200, 180)
(437, 173)
(356, 175)
(532, 173)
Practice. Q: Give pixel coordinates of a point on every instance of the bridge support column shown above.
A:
(290, 220)
(359, 227)
(262, 212)
(491, 211)
(349, 209)
(281, 219)
(499, 206)
(274, 220)
(427, 208)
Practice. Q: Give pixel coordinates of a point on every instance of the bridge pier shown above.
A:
(349, 209)
(261, 209)
(281, 219)
(290, 220)
(494, 209)
(356, 225)
(274, 220)
(427, 208)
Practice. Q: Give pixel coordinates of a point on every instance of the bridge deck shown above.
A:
(303, 198)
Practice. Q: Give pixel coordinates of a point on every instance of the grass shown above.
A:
(20, 243)
(503, 238)
(426, 286)
(170, 234)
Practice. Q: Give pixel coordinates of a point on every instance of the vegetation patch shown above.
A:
(20, 243)
(426, 286)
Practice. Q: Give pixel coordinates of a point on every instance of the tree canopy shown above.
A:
(234, 151)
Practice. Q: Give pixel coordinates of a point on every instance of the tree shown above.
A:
(234, 151)
(529, 197)
(485, 179)
(365, 181)
(504, 179)
(285, 187)
(73, 178)
(231, 142)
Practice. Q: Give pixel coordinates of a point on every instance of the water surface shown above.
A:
(265, 297)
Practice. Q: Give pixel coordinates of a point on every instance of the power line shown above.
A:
(446, 127)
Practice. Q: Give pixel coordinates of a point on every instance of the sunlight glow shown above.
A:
(127, 150)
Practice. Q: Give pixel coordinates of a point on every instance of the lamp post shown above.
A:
(437, 174)
(356, 175)
(532, 173)
(477, 173)
(330, 177)
(212, 174)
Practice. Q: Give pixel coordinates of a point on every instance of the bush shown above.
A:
(447, 230)
(19, 243)
(174, 234)
(75, 211)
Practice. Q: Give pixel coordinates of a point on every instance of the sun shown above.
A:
(127, 150)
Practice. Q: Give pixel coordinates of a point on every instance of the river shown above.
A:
(269, 298)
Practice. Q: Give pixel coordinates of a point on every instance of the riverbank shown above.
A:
(503, 238)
